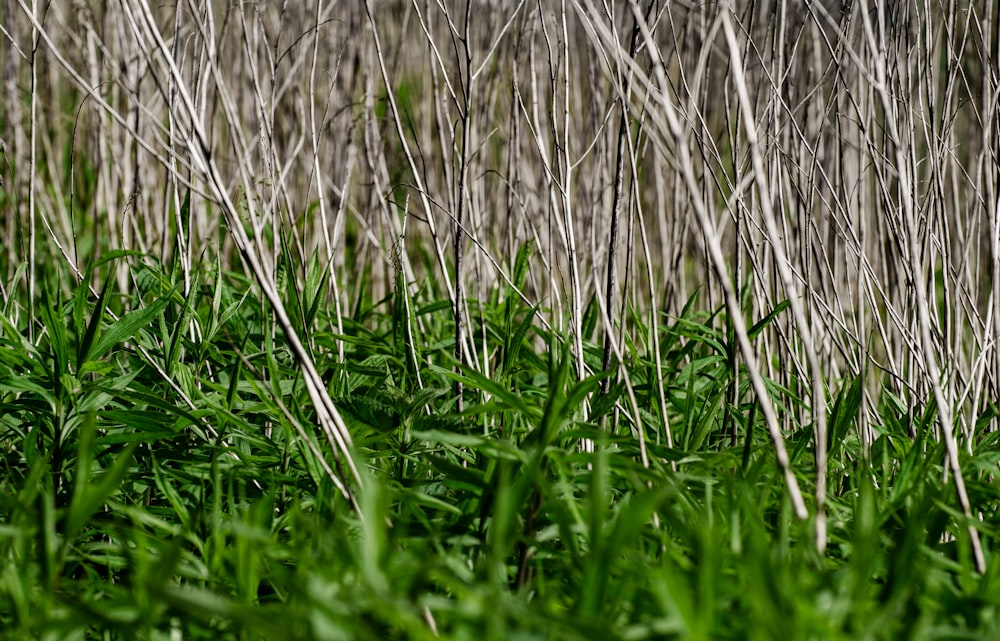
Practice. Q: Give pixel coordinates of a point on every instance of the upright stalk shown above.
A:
(459, 302)
(616, 201)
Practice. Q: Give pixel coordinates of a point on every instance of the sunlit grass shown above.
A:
(129, 515)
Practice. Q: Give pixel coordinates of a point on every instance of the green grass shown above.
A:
(127, 514)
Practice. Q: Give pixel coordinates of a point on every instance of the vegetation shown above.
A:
(555, 320)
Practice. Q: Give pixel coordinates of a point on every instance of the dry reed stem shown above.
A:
(778, 175)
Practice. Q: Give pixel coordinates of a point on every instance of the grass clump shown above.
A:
(128, 514)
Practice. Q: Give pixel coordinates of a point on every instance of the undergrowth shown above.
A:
(163, 480)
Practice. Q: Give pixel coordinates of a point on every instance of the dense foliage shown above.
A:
(130, 513)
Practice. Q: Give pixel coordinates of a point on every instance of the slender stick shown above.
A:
(926, 342)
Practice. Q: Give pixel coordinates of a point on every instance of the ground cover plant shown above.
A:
(478, 320)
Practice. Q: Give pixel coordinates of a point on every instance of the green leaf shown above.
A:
(521, 264)
(473, 379)
(845, 410)
(512, 349)
(180, 327)
(87, 496)
(759, 326)
(167, 490)
(94, 324)
(58, 344)
(128, 325)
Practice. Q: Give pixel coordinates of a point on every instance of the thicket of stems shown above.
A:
(842, 161)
